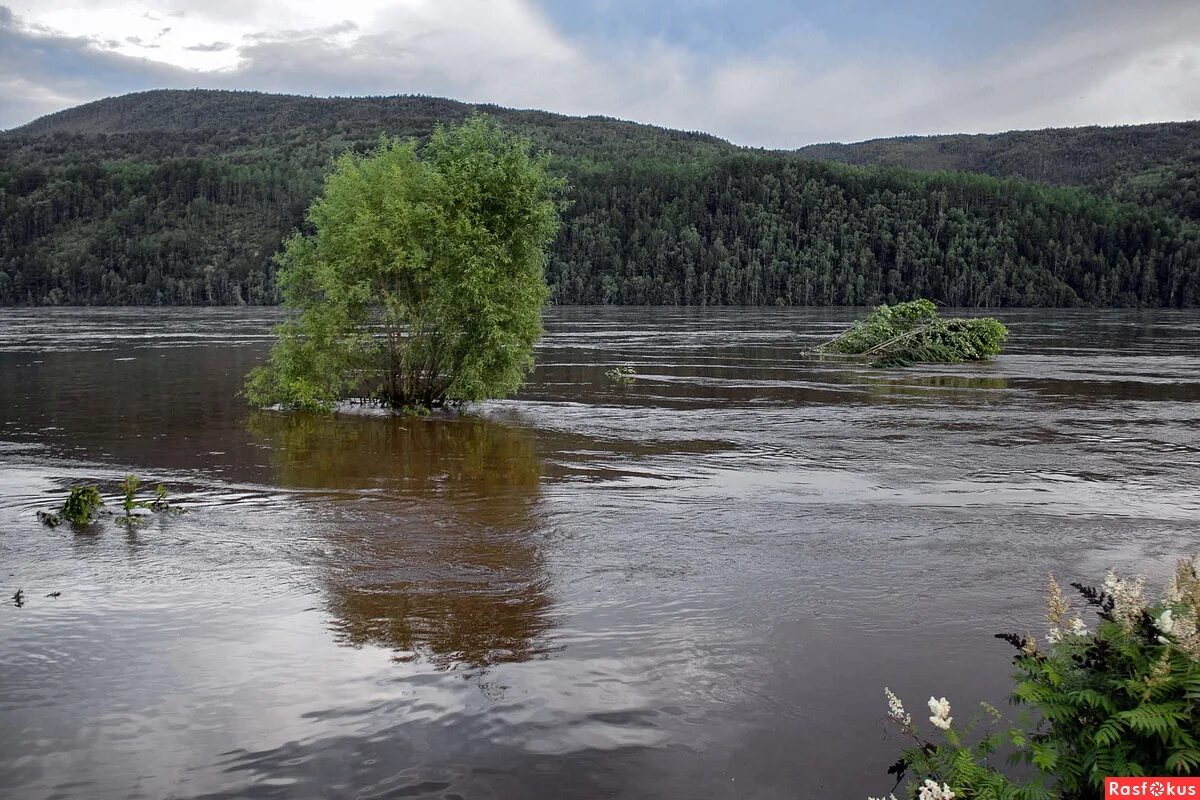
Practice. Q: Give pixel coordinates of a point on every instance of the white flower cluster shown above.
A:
(1128, 596)
(941, 713)
(889, 797)
(1184, 587)
(931, 791)
(896, 708)
(1057, 609)
(1181, 629)
(1181, 622)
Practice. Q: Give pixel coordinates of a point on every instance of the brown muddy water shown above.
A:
(695, 586)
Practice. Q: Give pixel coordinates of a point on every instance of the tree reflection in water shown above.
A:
(432, 547)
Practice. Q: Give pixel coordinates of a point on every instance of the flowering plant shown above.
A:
(1120, 700)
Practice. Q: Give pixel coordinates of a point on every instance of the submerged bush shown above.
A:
(84, 501)
(423, 280)
(1122, 699)
(622, 375)
(914, 332)
(79, 509)
(129, 486)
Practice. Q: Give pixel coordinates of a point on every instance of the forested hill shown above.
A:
(181, 197)
(219, 122)
(1155, 164)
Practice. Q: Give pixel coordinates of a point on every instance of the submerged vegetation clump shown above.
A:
(79, 509)
(621, 375)
(129, 486)
(84, 503)
(1114, 695)
(914, 333)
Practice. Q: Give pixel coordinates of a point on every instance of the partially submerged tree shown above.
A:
(424, 279)
(914, 332)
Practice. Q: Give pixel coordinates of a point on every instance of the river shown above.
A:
(696, 585)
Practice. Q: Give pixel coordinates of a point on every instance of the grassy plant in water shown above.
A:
(914, 332)
(1120, 697)
(129, 487)
(79, 509)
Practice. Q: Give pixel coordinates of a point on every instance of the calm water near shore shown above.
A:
(693, 586)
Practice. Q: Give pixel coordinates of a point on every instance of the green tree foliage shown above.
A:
(423, 280)
(79, 508)
(182, 197)
(914, 332)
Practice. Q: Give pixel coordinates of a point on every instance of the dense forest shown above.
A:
(182, 197)
(1156, 164)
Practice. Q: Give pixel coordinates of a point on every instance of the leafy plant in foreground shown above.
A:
(914, 332)
(1120, 700)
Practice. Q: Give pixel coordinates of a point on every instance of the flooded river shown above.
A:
(694, 586)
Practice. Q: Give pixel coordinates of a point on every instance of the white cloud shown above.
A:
(1120, 63)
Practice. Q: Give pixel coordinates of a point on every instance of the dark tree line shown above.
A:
(183, 198)
(755, 231)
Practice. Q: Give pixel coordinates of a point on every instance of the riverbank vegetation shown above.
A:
(423, 281)
(182, 197)
(1113, 691)
(914, 332)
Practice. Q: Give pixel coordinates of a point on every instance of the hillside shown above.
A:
(1155, 164)
(217, 122)
(181, 197)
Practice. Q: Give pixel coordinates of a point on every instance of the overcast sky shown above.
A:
(772, 73)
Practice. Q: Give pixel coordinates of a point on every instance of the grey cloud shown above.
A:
(211, 47)
(305, 35)
(41, 73)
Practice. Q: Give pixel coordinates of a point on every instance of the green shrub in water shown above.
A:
(130, 486)
(84, 501)
(914, 332)
(79, 509)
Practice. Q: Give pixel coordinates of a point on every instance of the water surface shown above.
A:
(693, 586)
